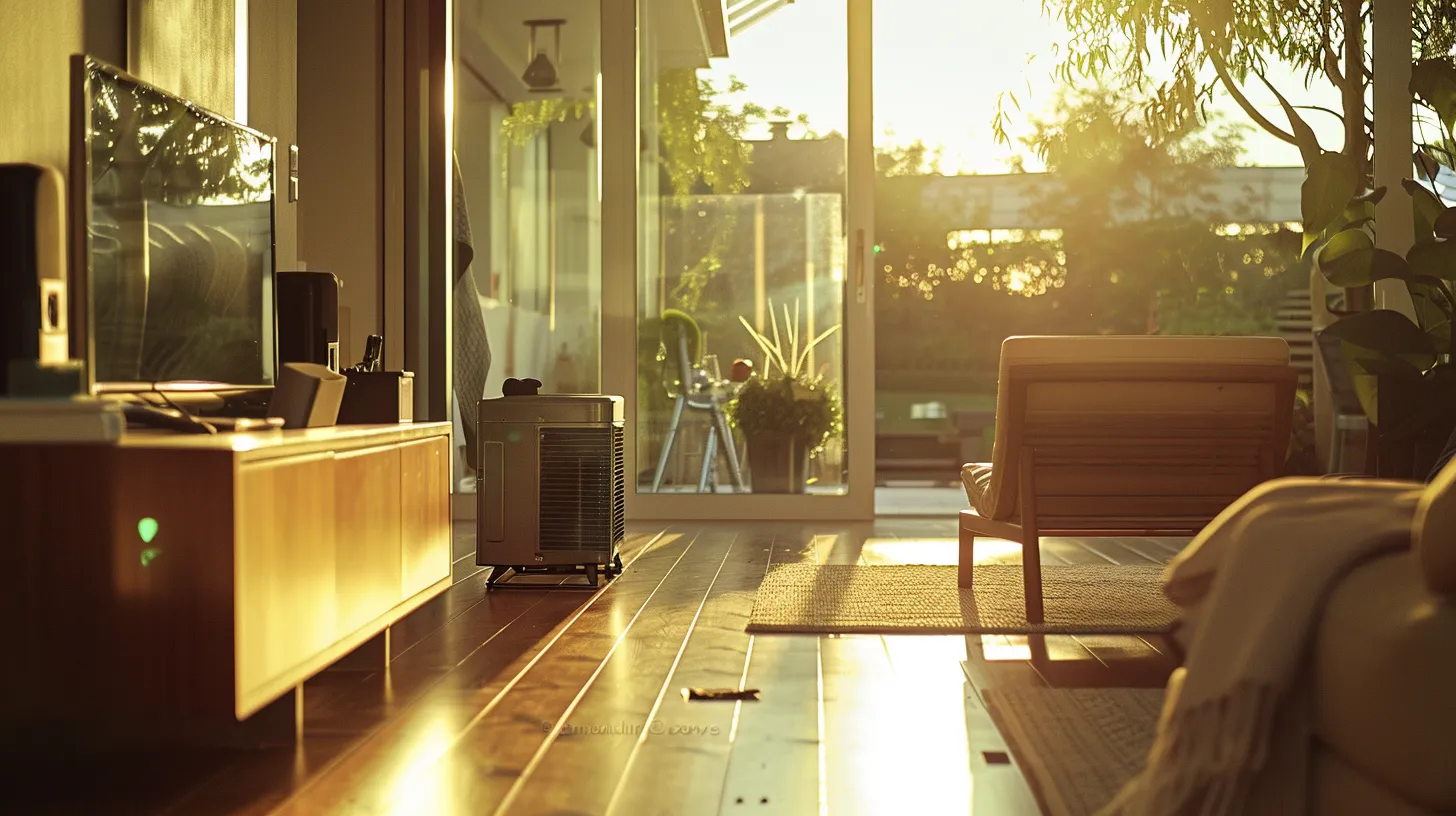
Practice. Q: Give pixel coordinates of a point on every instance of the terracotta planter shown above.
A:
(777, 464)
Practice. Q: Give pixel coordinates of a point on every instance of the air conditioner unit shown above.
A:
(551, 488)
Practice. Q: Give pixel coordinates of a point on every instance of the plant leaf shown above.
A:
(1340, 246)
(1433, 311)
(1388, 333)
(1434, 259)
(804, 358)
(1427, 208)
(1330, 181)
(1304, 138)
(1357, 266)
(1371, 197)
(1364, 383)
(1445, 224)
(1307, 240)
(1433, 81)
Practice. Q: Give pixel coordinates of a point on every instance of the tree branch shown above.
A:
(1253, 113)
(1331, 59)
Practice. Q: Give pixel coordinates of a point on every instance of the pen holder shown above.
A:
(378, 398)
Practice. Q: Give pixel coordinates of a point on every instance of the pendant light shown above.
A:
(540, 75)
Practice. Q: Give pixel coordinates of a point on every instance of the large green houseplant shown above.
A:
(785, 411)
(1401, 365)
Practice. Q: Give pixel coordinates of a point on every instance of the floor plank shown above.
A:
(577, 766)
(554, 700)
(684, 772)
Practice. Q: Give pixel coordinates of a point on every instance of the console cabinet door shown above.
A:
(285, 602)
(425, 497)
(368, 505)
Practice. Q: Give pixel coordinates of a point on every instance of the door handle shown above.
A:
(859, 266)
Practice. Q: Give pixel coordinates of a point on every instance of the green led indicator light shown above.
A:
(878, 248)
(147, 529)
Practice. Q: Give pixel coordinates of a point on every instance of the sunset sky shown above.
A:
(939, 67)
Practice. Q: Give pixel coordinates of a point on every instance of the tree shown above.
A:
(1137, 236)
(914, 159)
(1210, 45)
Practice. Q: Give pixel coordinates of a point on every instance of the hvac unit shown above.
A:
(551, 488)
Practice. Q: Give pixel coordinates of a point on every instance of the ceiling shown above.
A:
(493, 40)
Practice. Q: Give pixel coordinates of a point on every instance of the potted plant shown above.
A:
(785, 412)
(1400, 364)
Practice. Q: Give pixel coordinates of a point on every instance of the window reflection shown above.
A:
(527, 185)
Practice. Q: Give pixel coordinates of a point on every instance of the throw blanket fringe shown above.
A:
(1234, 732)
(1212, 751)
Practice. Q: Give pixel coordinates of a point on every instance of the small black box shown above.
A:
(378, 398)
(308, 318)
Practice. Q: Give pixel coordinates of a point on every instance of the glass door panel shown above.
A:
(744, 256)
(527, 203)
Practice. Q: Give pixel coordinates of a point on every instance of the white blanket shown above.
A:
(1234, 731)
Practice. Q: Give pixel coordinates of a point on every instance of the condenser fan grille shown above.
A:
(619, 486)
(581, 488)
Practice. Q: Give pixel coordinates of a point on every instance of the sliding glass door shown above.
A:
(743, 337)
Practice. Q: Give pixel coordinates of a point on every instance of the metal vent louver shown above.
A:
(582, 484)
(552, 486)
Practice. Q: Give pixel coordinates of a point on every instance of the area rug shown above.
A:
(1076, 747)
(924, 599)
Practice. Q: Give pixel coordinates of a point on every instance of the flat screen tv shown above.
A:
(172, 268)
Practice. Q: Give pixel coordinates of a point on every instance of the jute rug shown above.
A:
(1076, 747)
(924, 599)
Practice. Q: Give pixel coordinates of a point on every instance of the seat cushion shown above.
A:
(1384, 670)
(979, 488)
(1435, 532)
(1337, 788)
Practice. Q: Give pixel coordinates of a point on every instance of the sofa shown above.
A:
(1383, 676)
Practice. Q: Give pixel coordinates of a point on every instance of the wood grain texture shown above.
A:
(287, 602)
(367, 534)
(425, 519)
(459, 721)
(272, 556)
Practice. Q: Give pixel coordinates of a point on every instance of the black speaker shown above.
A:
(308, 318)
(33, 328)
(307, 395)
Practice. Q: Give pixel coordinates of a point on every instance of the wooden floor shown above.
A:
(564, 701)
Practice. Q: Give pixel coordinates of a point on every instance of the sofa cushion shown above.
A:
(1435, 531)
(1337, 788)
(1384, 671)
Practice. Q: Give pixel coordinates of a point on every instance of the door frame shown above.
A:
(619, 167)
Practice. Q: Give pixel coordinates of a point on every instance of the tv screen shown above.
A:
(175, 215)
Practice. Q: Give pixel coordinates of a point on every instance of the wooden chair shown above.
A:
(1113, 436)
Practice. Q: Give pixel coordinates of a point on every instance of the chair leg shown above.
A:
(1030, 538)
(730, 449)
(710, 448)
(965, 563)
(677, 412)
(1031, 576)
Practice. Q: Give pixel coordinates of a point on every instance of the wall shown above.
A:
(186, 47)
(273, 105)
(37, 39)
(339, 139)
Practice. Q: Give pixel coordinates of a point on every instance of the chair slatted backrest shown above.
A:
(1142, 445)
